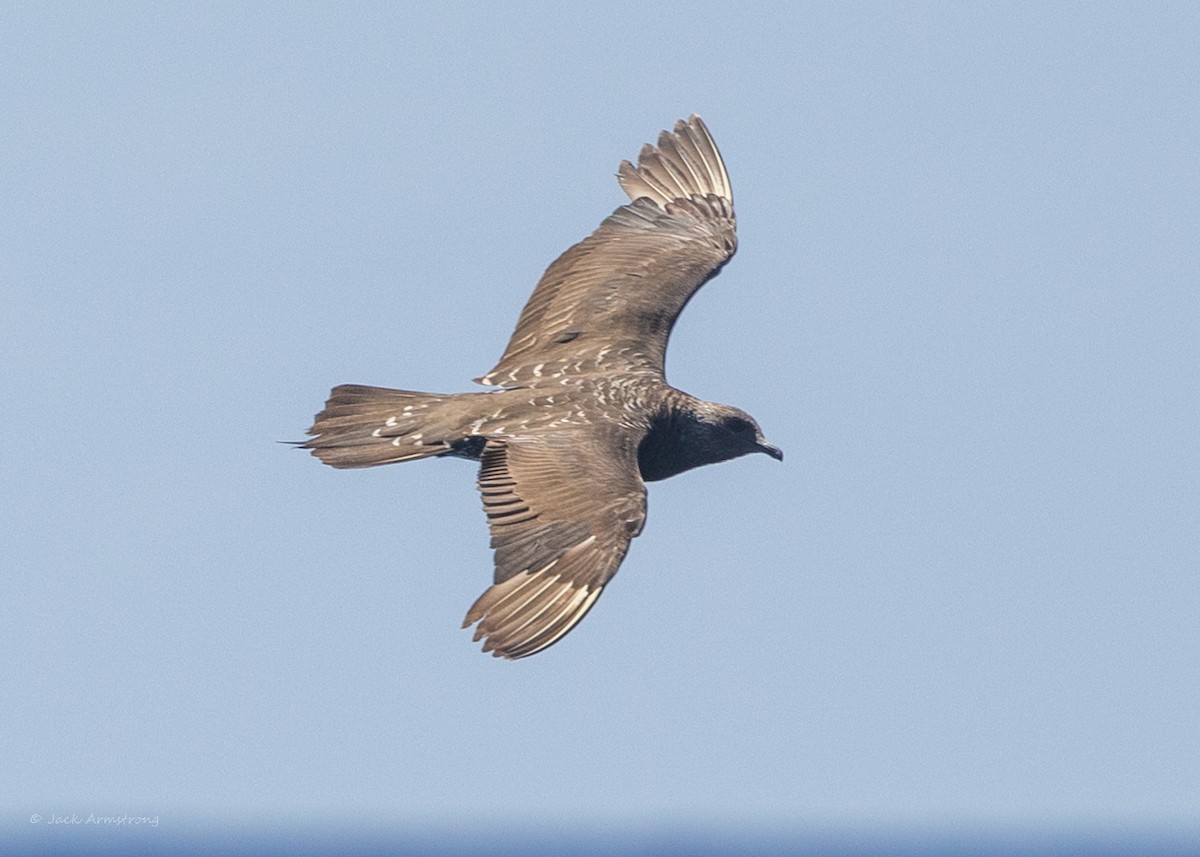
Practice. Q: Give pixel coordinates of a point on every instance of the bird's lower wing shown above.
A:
(562, 510)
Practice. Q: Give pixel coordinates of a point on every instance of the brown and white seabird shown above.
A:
(585, 416)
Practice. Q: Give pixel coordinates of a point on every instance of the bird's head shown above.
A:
(738, 432)
(699, 433)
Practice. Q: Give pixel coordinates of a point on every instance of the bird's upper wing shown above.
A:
(562, 510)
(610, 301)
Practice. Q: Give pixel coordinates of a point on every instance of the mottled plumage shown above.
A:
(585, 416)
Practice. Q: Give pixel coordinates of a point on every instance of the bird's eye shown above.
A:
(737, 425)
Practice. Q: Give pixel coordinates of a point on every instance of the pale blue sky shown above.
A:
(965, 304)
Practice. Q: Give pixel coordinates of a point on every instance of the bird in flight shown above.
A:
(584, 416)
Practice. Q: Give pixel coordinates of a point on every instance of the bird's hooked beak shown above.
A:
(771, 450)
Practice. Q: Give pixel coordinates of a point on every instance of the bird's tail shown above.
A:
(366, 426)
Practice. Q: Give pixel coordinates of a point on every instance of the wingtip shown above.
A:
(685, 163)
(527, 613)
